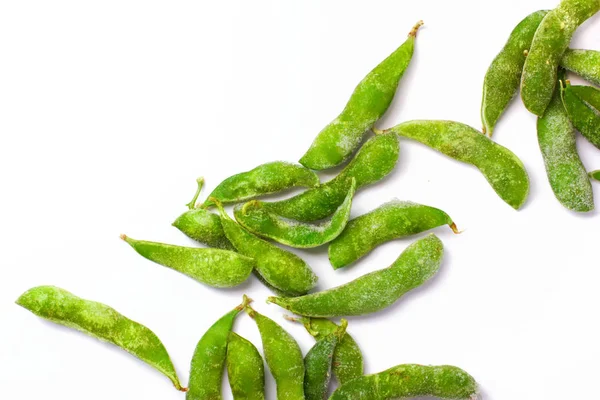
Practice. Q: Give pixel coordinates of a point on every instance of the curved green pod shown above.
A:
(392, 220)
(253, 217)
(374, 291)
(205, 227)
(585, 63)
(283, 356)
(411, 380)
(318, 362)
(501, 167)
(213, 267)
(370, 100)
(595, 175)
(503, 77)
(245, 369)
(549, 44)
(102, 322)
(265, 179)
(583, 107)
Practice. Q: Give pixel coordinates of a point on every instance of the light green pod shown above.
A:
(566, 173)
(213, 267)
(265, 179)
(317, 364)
(208, 362)
(102, 322)
(370, 100)
(283, 356)
(583, 107)
(253, 217)
(411, 380)
(393, 220)
(281, 269)
(502, 169)
(374, 291)
(549, 44)
(595, 175)
(245, 369)
(585, 63)
(503, 77)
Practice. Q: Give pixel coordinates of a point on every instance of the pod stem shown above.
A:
(181, 388)
(219, 207)
(341, 330)
(455, 228)
(245, 303)
(192, 204)
(248, 204)
(377, 131)
(415, 29)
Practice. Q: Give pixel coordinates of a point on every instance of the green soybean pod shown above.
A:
(253, 217)
(245, 369)
(583, 107)
(102, 322)
(503, 77)
(317, 364)
(411, 380)
(283, 356)
(281, 269)
(208, 362)
(213, 267)
(370, 100)
(585, 63)
(265, 179)
(549, 44)
(502, 169)
(392, 220)
(374, 291)
(595, 175)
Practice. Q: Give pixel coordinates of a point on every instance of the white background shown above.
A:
(110, 110)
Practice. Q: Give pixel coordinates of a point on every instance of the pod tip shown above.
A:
(415, 28)
(455, 229)
(123, 236)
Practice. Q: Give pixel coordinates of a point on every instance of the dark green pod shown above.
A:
(245, 369)
(595, 175)
(585, 63)
(583, 106)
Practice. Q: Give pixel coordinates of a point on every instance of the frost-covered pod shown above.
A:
(583, 107)
(204, 227)
(585, 63)
(245, 369)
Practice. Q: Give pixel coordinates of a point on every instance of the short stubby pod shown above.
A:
(374, 291)
(205, 227)
(595, 175)
(411, 380)
(393, 220)
(370, 100)
(501, 167)
(585, 63)
(102, 322)
(265, 179)
(583, 107)
(245, 369)
(214, 267)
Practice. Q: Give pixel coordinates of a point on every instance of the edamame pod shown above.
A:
(265, 179)
(502, 169)
(595, 175)
(208, 362)
(411, 380)
(279, 268)
(245, 369)
(283, 356)
(374, 291)
(583, 107)
(503, 77)
(253, 217)
(317, 364)
(370, 100)
(213, 267)
(102, 322)
(549, 44)
(392, 220)
(585, 63)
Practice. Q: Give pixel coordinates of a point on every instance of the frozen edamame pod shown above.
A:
(583, 107)
(392, 220)
(253, 217)
(208, 362)
(265, 179)
(585, 63)
(214, 267)
(102, 322)
(370, 100)
(411, 380)
(595, 175)
(502, 169)
(549, 44)
(245, 369)
(503, 77)
(374, 291)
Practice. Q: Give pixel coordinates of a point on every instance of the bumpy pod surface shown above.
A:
(374, 291)
(370, 100)
(102, 322)
(205, 227)
(283, 356)
(208, 362)
(595, 175)
(501, 167)
(265, 179)
(549, 44)
(503, 77)
(585, 63)
(392, 220)
(583, 107)
(411, 380)
(253, 217)
(245, 369)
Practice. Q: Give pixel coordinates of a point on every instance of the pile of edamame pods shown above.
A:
(536, 57)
